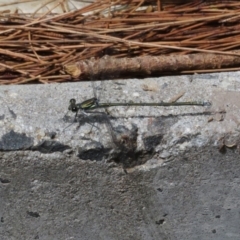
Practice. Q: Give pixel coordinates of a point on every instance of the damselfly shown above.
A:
(93, 103)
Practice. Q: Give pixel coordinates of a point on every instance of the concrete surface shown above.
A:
(175, 174)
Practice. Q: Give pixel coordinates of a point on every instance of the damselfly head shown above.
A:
(72, 101)
(72, 107)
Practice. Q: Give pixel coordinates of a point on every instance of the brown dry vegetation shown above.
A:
(112, 39)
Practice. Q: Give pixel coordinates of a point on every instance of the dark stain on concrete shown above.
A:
(13, 141)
